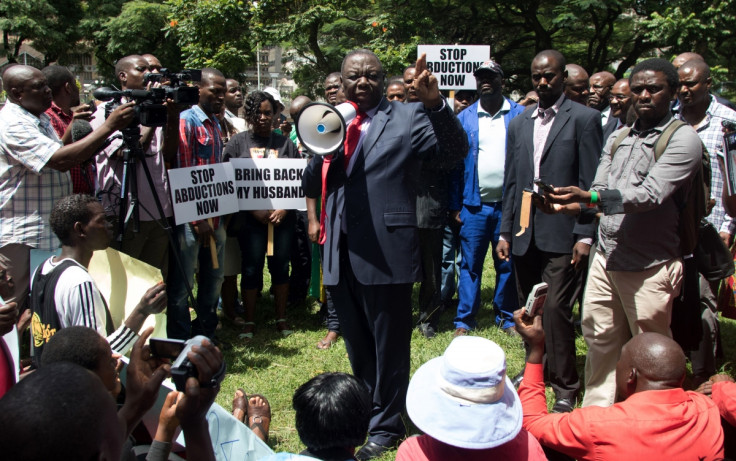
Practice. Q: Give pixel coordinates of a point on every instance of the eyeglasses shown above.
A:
(619, 97)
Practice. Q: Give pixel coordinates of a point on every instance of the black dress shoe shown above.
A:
(563, 406)
(370, 450)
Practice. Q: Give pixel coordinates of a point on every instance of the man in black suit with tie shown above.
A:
(558, 142)
(371, 247)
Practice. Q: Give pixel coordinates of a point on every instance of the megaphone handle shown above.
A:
(269, 245)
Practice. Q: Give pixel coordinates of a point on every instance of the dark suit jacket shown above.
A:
(570, 158)
(377, 199)
(609, 128)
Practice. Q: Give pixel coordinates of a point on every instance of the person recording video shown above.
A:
(159, 144)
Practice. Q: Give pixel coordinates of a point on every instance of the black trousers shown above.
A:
(301, 259)
(430, 296)
(376, 325)
(559, 329)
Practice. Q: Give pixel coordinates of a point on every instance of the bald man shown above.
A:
(653, 418)
(576, 85)
(620, 102)
(703, 112)
(34, 168)
(682, 58)
(600, 88)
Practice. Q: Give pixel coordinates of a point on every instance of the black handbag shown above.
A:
(714, 259)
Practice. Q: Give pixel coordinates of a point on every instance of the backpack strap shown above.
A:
(619, 139)
(661, 143)
(45, 319)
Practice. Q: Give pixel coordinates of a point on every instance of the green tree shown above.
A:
(51, 25)
(139, 28)
(213, 33)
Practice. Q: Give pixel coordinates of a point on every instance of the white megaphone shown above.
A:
(321, 127)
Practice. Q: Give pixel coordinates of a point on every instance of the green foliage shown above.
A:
(52, 25)
(138, 29)
(212, 33)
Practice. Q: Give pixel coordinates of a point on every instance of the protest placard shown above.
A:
(453, 65)
(202, 192)
(269, 184)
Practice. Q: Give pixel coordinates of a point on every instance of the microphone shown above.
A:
(80, 129)
(105, 93)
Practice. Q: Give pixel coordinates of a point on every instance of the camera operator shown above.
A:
(159, 144)
(34, 168)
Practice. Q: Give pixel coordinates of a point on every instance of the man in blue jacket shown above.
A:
(476, 200)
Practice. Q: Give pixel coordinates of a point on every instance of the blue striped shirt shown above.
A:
(28, 189)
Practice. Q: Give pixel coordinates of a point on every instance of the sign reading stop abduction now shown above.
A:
(453, 65)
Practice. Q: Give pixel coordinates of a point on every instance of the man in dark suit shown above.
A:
(620, 100)
(558, 142)
(371, 248)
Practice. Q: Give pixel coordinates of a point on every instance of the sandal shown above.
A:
(259, 416)
(283, 328)
(240, 405)
(328, 341)
(249, 328)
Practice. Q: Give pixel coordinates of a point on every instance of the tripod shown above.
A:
(129, 208)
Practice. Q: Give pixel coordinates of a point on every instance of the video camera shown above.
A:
(174, 85)
(149, 105)
(182, 368)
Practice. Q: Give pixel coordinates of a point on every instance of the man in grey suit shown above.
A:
(371, 248)
(559, 142)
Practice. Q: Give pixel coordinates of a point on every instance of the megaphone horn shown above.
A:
(321, 127)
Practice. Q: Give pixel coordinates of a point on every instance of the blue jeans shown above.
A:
(481, 227)
(450, 262)
(178, 323)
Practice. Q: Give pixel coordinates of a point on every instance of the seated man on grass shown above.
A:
(653, 417)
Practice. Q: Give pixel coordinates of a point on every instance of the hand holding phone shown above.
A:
(546, 188)
(536, 299)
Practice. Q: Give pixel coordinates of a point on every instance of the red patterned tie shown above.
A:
(352, 136)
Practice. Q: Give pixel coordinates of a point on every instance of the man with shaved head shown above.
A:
(333, 83)
(700, 109)
(150, 243)
(620, 101)
(652, 418)
(200, 143)
(559, 142)
(576, 85)
(600, 87)
(682, 58)
(34, 167)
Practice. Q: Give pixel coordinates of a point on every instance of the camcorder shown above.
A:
(182, 368)
(149, 104)
(175, 86)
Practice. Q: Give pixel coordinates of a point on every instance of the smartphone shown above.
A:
(546, 188)
(535, 195)
(166, 348)
(536, 299)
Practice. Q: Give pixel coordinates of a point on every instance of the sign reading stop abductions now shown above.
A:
(453, 65)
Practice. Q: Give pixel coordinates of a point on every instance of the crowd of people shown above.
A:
(564, 187)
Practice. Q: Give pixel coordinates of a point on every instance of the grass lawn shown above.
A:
(275, 366)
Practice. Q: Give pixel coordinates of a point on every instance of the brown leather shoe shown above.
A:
(460, 331)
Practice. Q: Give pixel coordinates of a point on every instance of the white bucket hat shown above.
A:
(464, 397)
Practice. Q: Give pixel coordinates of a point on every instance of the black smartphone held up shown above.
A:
(546, 188)
(166, 348)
